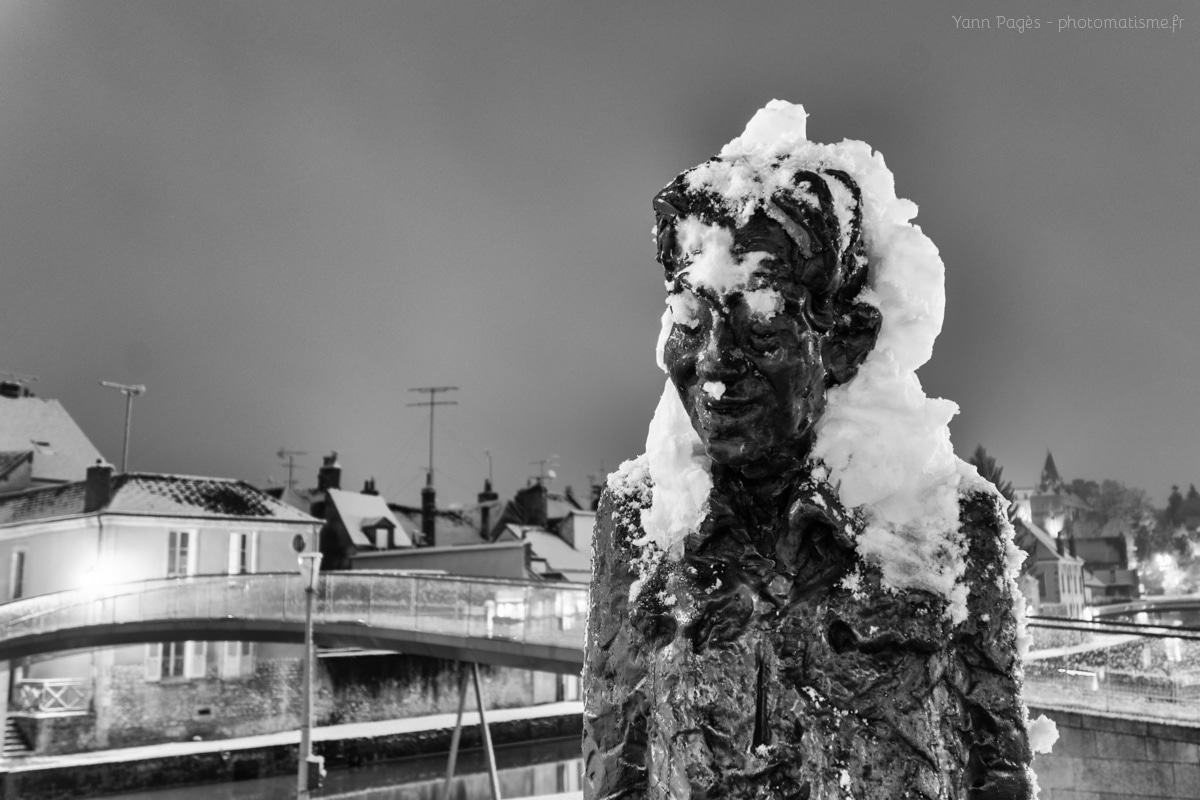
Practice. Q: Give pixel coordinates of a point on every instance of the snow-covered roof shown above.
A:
(454, 527)
(152, 494)
(10, 460)
(1048, 543)
(62, 452)
(559, 556)
(359, 511)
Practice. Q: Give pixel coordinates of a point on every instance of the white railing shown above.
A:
(524, 612)
(53, 695)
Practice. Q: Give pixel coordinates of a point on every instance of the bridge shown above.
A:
(533, 625)
(1151, 605)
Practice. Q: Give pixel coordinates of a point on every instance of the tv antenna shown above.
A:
(431, 402)
(17, 377)
(546, 468)
(130, 392)
(290, 455)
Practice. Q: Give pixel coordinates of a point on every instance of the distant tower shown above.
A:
(1050, 482)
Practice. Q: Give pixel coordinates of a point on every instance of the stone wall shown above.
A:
(148, 712)
(1108, 758)
(349, 689)
(370, 688)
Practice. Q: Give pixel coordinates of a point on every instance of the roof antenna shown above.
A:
(433, 390)
(290, 455)
(130, 392)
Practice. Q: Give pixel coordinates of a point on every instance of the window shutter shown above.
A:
(191, 539)
(227, 664)
(154, 661)
(252, 554)
(196, 658)
(232, 565)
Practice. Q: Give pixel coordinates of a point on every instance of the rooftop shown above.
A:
(152, 494)
(62, 451)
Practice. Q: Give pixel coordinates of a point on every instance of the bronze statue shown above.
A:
(758, 653)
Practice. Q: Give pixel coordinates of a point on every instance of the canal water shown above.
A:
(525, 770)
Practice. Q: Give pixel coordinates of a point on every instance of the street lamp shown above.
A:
(130, 392)
(309, 765)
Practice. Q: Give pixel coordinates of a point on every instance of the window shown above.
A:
(16, 576)
(181, 553)
(237, 659)
(176, 660)
(243, 553)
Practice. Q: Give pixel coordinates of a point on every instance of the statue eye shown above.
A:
(685, 311)
(764, 338)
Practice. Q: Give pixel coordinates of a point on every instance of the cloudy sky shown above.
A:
(281, 216)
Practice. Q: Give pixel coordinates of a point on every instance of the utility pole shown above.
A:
(431, 402)
(290, 455)
(130, 392)
(428, 494)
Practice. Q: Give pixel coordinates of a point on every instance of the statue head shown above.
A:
(763, 303)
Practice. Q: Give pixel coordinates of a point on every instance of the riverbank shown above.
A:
(181, 763)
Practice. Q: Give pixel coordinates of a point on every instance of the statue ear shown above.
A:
(847, 344)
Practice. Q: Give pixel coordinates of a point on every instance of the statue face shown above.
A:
(746, 363)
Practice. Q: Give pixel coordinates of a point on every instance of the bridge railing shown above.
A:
(530, 613)
(1142, 670)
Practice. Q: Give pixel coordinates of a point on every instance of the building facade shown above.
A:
(119, 528)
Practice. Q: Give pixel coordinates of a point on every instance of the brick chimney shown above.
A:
(369, 487)
(486, 498)
(429, 512)
(99, 487)
(329, 476)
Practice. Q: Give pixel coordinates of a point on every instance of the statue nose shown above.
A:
(722, 357)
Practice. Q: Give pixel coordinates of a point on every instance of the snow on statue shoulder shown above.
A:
(797, 590)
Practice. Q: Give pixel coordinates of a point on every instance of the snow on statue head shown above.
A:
(801, 301)
(763, 309)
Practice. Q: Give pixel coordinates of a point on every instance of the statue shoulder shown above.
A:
(627, 492)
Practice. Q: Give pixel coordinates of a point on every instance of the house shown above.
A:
(1060, 575)
(1103, 545)
(135, 526)
(40, 444)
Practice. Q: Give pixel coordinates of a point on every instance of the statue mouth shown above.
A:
(729, 409)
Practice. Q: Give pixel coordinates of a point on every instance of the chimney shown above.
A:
(99, 487)
(597, 489)
(531, 503)
(329, 476)
(1061, 544)
(486, 498)
(369, 488)
(429, 512)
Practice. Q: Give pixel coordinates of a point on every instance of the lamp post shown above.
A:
(130, 392)
(310, 568)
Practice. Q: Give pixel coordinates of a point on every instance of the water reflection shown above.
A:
(526, 770)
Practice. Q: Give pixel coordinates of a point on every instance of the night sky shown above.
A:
(282, 216)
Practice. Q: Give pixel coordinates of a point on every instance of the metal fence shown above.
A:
(1142, 670)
